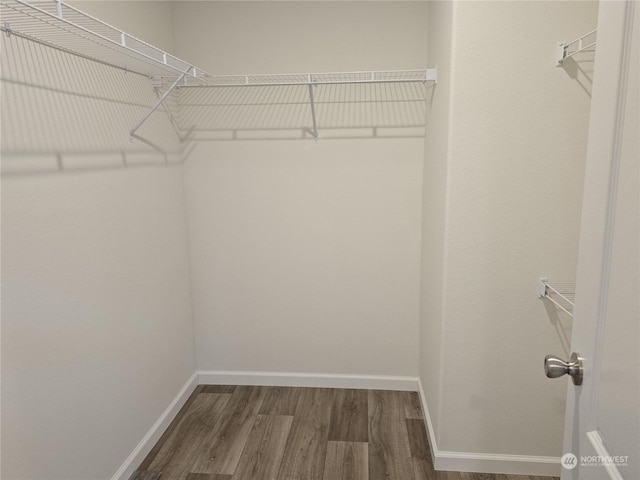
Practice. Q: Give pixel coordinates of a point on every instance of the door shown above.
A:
(603, 414)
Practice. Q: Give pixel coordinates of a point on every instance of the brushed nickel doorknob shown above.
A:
(555, 367)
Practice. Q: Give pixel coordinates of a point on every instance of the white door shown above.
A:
(603, 414)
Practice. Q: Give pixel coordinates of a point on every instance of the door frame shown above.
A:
(610, 85)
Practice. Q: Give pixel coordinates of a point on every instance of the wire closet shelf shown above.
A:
(63, 27)
(561, 294)
(569, 49)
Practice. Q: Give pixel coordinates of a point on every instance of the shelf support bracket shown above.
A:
(569, 49)
(545, 291)
(432, 75)
(313, 112)
(132, 134)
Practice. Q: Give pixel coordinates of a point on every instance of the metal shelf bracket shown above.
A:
(432, 74)
(580, 44)
(313, 112)
(132, 134)
(561, 296)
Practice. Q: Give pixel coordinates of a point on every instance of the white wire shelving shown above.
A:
(287, 79)
(561, 294)
(569, 49)
(63, 27)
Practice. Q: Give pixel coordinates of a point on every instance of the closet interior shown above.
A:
(382, 225)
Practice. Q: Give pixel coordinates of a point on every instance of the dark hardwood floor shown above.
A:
(280, 433)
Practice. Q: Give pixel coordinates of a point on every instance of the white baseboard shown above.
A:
(428, 425)
(495, 463)
(320, 380)
(486, 462)
(155, 432)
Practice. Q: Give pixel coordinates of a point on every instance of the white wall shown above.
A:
(97, 333)
(515, 164)
(148, 20)
(292, 37)
(305, 257)
(436, 149)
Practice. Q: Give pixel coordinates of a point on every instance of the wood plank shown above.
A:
(306, 447)
(421, 459)
(227, 439)
(423, 470)
(480, 476)
(146, 475)
(421, 453)
(347, 461)
(263, 453)
(218, 388)
(349, 416)
(412, 407)
(280, 401)
(167, 433)
(312, 400)
(418, 441)
(389, 450)
(207, 476)
(182, 447)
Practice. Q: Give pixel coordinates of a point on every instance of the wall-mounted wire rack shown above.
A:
(561, 294)
(63, 27)
(566, 50)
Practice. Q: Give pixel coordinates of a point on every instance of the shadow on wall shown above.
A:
(562, 325)
(63, 113)
(581, 70)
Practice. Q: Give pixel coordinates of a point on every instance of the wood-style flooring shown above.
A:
(284, 433)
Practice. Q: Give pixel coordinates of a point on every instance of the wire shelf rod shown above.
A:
(586, 47)
(557, 292)
(557, 304)
(332, 78)
(285, 84)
